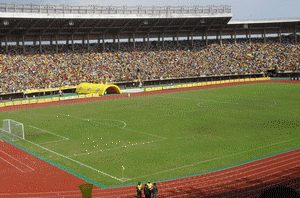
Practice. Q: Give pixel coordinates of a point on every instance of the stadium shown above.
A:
(95, 99)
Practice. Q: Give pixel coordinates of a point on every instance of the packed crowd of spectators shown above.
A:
(33, 69)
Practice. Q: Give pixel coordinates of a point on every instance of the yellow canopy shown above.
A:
(88, 88)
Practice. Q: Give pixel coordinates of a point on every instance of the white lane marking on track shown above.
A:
(125, 190)
(226, 187)
(238, 183)
(32, 169)
(1, 140)
(12, 165)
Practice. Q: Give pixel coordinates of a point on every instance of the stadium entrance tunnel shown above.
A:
(101, 89)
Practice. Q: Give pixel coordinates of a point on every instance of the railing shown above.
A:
(95, 9)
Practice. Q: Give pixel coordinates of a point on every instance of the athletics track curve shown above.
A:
(33, 177)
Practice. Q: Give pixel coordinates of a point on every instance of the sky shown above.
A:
(241, 9)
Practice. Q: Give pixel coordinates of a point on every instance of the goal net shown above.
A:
(12, 130)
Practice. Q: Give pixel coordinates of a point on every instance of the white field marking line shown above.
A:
(146, 133)
(73, 160)
(112, 148)
(240, 188)
(97, 122)
(12, 165)
(16, 160)
(211, 101)
(51, 142)
(213, 184)
(214, 159)
(116, 126)
(50, 132)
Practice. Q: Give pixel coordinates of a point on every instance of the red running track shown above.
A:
(25, 175)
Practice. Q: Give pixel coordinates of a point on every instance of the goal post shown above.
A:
(13, 129)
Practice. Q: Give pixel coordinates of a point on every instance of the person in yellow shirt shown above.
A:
(150, 185)
(139, 189)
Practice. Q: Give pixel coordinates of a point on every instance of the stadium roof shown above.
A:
(47, 22)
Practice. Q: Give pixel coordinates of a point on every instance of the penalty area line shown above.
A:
(49, 132)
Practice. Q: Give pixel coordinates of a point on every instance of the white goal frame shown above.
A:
(10, 126)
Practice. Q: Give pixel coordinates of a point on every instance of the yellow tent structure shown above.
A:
(89, 88)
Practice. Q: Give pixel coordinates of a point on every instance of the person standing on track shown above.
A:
(154, 191)
(139, 189)
(147, 191)
(150, 185)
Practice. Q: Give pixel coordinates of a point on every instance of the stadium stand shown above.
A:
(19, 72)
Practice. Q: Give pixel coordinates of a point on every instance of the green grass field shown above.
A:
(166, 135)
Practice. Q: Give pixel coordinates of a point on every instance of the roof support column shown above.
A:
(234, 37)
(6, 46)
(265, 32)
(34, 41)
(56, 44)
(188, 38)
(231, 36)
(118, 42)
(295, 34)
(18, 42)
(148, 41)
(88, 42)
(250, 36)
(72, 42)
(51, 41)
(98, 40)
(23, 43)
(192, 39)
(279, 35)
(206, 41)
(103, 43)
(133, 40)
(177, 40)
(163, 40)
(114, 40)
(40, 43)
(221, 43)
(82, 41)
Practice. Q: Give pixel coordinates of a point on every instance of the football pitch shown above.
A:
(164, 136)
